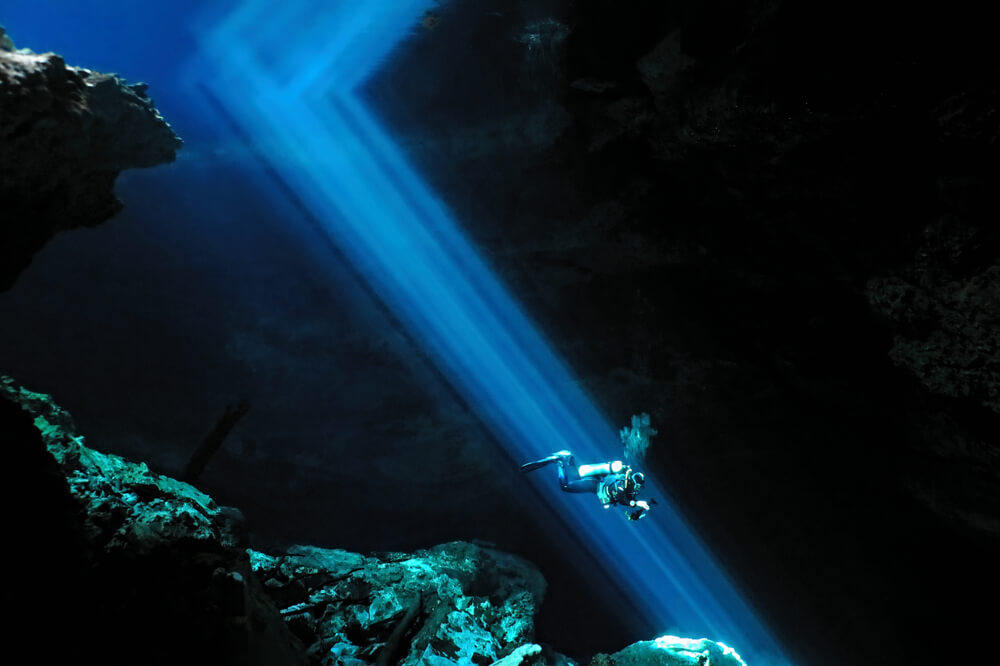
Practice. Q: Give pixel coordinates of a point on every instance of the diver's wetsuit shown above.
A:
(571, 481)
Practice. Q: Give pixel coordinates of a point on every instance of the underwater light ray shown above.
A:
(447, 282)
(469, 342)
(350, 176)
(485, 298)
(315, 67)
(360, 161)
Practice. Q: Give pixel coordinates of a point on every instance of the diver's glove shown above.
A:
(643, 508)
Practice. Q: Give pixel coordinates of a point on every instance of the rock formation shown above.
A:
(672, 651)
(65, 134)
(475, 605)
(144, 568)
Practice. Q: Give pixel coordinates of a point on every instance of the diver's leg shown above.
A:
(569, 477)
(567, 469)
(579, 486)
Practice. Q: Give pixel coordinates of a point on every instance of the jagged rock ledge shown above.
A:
(144, 568)
(65, 135)
(472, 604)
(153, 570)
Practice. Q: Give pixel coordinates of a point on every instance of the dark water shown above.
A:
(211, 286)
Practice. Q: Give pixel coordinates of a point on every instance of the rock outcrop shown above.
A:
(456, 603)
(144, 568)
(672, 651)
(943, 311)
(65, 134)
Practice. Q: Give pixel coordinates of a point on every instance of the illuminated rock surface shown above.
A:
(672, 651)
(476, 605)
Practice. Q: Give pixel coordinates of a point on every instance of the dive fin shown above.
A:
(536, 464)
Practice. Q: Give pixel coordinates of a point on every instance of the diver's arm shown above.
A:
(638, 509)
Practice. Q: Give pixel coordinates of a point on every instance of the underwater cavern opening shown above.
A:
(425, 262)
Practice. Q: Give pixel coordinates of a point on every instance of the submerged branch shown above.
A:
(212, 442)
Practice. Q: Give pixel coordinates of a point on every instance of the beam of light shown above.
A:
(288, 74)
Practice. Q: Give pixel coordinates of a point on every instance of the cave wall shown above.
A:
(66, 134)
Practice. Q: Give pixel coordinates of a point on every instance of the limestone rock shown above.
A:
(525, 654)
(65, 134)
(672, 651)
(944, 307)
(151, 559)
(476, 605)
(126, 506)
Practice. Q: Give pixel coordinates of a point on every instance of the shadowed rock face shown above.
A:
(65, 134)
(146, 569)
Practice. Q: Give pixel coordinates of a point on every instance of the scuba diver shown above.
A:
(614, 482)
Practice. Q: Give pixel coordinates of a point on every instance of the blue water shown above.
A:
(269, 99)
